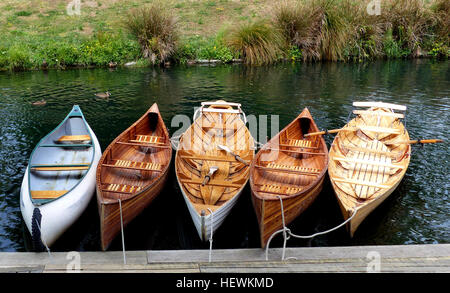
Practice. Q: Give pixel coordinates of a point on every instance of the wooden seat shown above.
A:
(144, 166)
(290, 169)
(185, 155)
(73, 138)
(299, 143)
(378, 113)
(368, 150)
(122, 188)
(212, 182)
(47, 194)
(276, 189)
(147, 139)
(75, 167)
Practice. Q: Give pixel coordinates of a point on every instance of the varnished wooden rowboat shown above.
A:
(59, 181)
(210, 178)
(368, 159)
(133, 169)
(289, 166)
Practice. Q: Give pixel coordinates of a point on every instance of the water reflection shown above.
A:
(417, 212)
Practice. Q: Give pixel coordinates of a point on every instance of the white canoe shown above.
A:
(59, 180)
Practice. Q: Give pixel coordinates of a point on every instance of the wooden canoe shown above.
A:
(366, 164)
(133, 169)
(59, 181)
(291, 167)
(217, 123)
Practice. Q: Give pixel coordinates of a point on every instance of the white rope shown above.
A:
(121, 229)
(287, 232)
(211, 234)
(42, 240)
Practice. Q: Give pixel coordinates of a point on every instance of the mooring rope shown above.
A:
(121, 229)
(211, 234)
(287, 232)
(42, 240)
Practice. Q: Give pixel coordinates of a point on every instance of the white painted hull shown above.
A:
(207, 224)
(60, 214)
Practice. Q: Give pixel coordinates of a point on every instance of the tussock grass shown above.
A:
(156, 30)
(257, 42)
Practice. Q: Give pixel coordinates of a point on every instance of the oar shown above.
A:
(417, 141)
(323, 132)
(237, 157)
(208, 176)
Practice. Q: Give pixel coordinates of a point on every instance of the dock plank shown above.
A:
(392, 258)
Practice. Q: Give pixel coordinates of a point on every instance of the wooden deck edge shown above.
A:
(392, 258)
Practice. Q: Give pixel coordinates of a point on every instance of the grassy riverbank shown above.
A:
(38, 33)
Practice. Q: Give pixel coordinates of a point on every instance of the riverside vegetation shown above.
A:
(40, 34)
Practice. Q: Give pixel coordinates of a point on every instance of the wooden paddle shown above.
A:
(208, 176)
(237, 157)
(417, 141)
(323, 132)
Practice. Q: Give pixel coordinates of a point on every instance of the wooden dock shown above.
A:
(385, 259)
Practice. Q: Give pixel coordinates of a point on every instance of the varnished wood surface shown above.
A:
(289, 166)
(134, 169)
(366, 166)
(198, 151)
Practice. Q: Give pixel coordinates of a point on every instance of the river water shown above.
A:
(416, 213)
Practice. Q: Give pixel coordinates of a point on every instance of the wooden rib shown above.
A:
(44, 194)
(68, 138)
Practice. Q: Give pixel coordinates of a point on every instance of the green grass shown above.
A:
(340, 30)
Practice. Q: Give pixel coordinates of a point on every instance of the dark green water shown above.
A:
(417, 212)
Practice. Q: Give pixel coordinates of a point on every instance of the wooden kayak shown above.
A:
(289, 167)
(133, 169)
(59, 181)
(211, 179)
(368, 159)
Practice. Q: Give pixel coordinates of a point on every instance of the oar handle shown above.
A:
(238, 158)
(322, 132)
(206, 179)
(422, 141)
